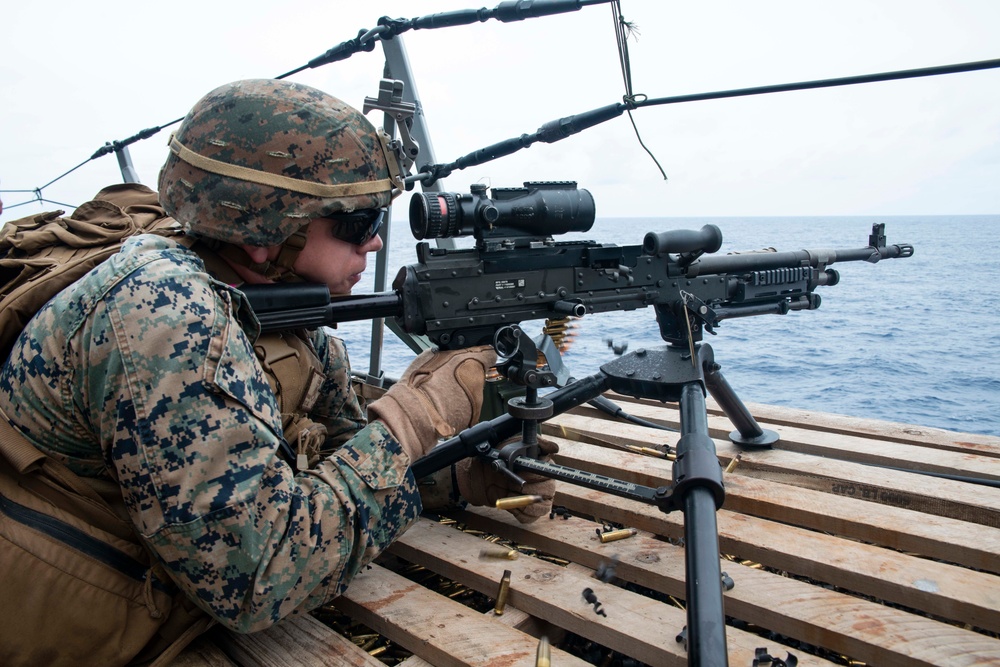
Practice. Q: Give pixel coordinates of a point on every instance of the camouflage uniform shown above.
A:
(144, 373)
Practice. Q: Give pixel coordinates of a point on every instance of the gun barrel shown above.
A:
(762, 261)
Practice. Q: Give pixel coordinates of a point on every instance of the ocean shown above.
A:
(913, 340)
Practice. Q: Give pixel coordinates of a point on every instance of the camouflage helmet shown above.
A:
(254, 161)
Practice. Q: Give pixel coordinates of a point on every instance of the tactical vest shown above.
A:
(71, 535)
(292, 368)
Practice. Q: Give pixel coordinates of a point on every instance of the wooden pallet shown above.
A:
(838, 551)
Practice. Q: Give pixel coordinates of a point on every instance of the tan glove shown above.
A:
(482, 485)
(439, 394)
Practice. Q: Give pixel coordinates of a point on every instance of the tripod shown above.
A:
(679, 373)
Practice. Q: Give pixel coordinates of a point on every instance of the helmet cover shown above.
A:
(254, 161)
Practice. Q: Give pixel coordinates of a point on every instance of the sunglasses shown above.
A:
(357, 227)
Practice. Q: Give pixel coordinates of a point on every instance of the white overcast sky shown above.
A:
(77, 74)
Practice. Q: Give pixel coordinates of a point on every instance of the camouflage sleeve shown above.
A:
(161, 374)
(338, 407)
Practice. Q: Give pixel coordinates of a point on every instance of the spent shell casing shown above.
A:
(502, 593)
(614, 535)
(543, 657)
(646, 451)
(499, 552)
(517, 501)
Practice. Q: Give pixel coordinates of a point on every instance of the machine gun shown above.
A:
(516, 272)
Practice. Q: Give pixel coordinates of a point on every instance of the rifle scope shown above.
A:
(538, 210)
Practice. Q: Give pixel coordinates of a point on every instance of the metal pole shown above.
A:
(397, 66)
(129, 174)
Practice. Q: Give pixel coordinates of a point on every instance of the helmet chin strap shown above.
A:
(280, 269)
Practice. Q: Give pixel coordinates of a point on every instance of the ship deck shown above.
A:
(851, 541)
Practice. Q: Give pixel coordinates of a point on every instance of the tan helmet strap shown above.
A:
(290, 249)
(324, 190)
(392, 161)
(278, 269)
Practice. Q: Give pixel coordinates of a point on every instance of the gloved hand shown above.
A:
(480, 484)
(439, 394)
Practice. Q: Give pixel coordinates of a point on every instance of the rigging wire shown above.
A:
(38, 198)
(38, 191)
(624, 30)
(550, 132)
(564, 127)
(387, 28)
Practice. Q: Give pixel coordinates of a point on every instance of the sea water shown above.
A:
(913, 340)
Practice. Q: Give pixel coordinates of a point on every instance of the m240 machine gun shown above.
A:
(516, 272)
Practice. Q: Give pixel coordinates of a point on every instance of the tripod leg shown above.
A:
(748, 432)
(703, 574)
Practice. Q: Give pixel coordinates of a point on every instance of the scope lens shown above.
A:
(433, 215)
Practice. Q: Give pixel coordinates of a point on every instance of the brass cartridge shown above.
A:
(517, 501)
(502, 593)
(615, 535)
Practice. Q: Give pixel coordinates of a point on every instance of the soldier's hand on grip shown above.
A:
(439, 394)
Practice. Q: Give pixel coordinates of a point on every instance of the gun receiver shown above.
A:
(460, 298)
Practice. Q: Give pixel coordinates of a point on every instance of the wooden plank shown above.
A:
(202, 652)
(952, 540)
(635, 625)
(297, 641)
(847, 447)
(942, 497)
(514, 618)
(956, 593)
(925, 436)
(875, 429)
(441, 631)
(862, 629)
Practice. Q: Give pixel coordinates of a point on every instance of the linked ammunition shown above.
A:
(591, 598)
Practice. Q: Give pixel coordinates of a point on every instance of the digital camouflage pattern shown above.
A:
(143, 372)
(276, 127)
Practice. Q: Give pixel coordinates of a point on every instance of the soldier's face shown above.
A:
(327, 259)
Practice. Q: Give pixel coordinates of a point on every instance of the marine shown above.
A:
(245, 463)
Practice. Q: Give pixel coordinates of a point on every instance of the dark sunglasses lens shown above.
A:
(357, 227)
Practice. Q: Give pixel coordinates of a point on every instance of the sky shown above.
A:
(76, 75)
